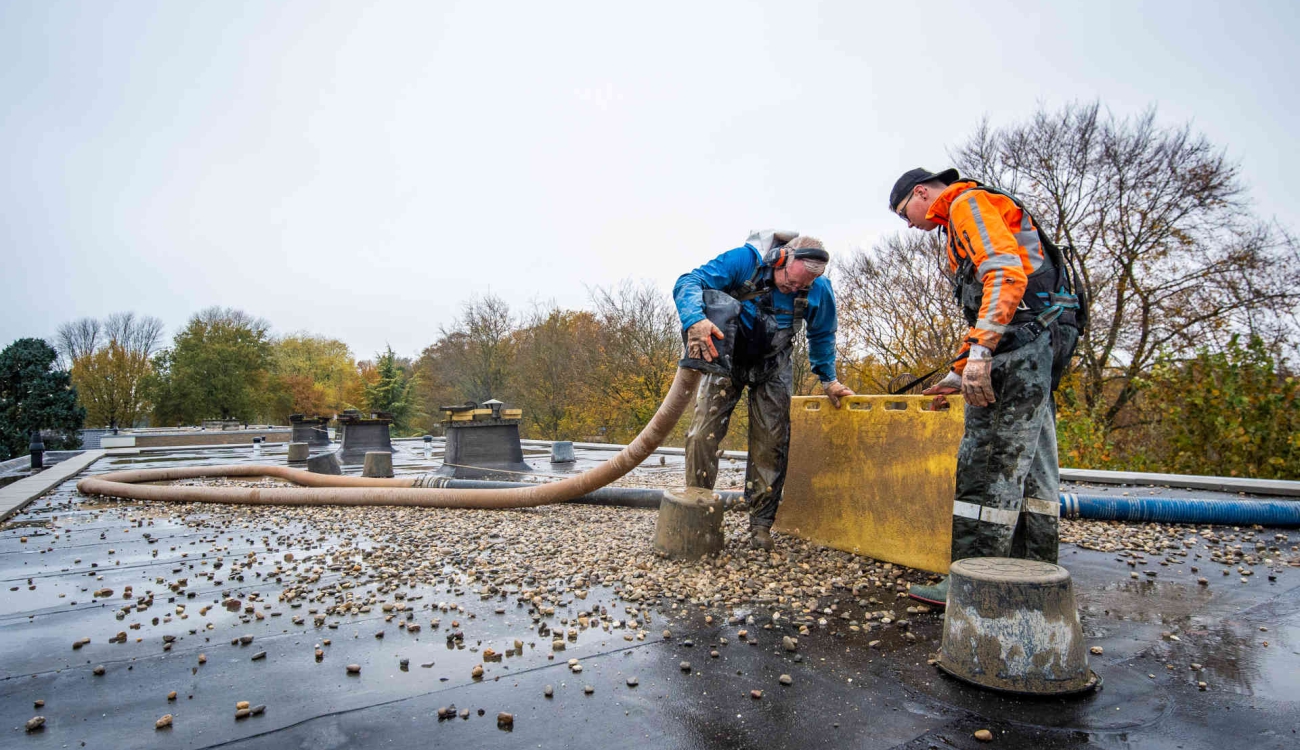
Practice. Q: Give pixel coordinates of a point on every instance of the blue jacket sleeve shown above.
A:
(731, 269)
(822, 324)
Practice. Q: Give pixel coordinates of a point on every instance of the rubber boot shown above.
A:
(760, 538)
(936, 595)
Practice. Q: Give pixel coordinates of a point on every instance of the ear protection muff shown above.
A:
(779, 257)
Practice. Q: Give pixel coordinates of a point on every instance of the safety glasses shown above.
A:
(902, 210)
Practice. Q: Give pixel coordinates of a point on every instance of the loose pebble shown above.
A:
(535, 568)
(983, 735)
(164, 722)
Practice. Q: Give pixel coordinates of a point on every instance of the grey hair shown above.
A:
(804, 242)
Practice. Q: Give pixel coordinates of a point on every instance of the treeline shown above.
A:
(593, 374)
(1185, 368)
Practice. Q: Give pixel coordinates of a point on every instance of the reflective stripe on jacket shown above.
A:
(1001, 242)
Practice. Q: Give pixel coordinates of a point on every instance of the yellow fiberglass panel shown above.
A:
(874, 477)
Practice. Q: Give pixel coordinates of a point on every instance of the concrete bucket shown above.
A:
(690, 524)
(1012, 626)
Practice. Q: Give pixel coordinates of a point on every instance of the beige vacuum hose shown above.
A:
(323, 489)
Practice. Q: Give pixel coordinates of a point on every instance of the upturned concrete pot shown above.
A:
(1012, 625)
(299, 453)
(562, 452)
(378, 464)
(690, 524)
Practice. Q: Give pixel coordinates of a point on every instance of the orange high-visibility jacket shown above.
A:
(1002, 242)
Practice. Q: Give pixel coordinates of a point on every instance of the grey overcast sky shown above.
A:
(360, 169)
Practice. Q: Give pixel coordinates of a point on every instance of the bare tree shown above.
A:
(481, 348)
(896, 310)
(229, 317)
(1172, 256)
(76, 339)
(140, 334)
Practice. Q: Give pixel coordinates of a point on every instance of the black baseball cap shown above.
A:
(913, 177)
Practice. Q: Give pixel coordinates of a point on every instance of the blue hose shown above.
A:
(1181, 510)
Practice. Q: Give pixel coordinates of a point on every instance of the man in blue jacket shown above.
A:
(777, 279)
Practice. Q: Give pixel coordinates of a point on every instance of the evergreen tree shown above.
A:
(36, 396)
(392, 391)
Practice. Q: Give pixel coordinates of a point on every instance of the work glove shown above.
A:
(699, 340)
(949, 385)
(977, 379)
(835, 390)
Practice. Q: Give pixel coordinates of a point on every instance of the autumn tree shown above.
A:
(435, 383)
(555, 350)
(1172, 256)
(1233, 411)
(110, 364)
(36, 395)
(311, 375)
(217, 367)
(638, 349)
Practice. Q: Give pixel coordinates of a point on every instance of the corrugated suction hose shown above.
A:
(1197, 510)
(321, 489)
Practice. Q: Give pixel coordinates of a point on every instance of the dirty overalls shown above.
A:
(762, 362)
(1008, 477)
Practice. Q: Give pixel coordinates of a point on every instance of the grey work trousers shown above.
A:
(770, 389)
(1008, 479)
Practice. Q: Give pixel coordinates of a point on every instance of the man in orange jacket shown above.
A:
(1021, 320)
